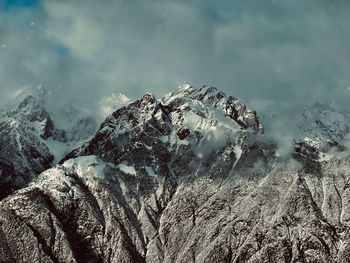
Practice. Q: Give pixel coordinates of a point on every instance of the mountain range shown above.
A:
(191, 177)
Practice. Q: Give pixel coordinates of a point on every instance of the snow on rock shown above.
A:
(282, 215)
(150, 171)
(112, 103)
(187, 122)
(154, 176)
(210, 96)
(86, 166)
(128, 169)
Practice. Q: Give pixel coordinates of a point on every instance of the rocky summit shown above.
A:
(185, 178)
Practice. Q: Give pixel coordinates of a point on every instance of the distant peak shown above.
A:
(29, 100)
(211, 97)
(112, 103)
(148, 98)
(42, 91)
(208, 89)
(185, 87)
(121, 97)
(32, 108)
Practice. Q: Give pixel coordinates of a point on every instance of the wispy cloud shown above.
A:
(275, 52)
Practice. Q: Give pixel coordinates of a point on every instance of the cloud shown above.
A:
(276, 53)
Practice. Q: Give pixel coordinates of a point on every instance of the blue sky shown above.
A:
(266, 52)
(19, 3)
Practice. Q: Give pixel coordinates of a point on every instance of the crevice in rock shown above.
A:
(45, 247)
(5, 251)
(193, 216)
(116, 192)
(340, 199)
(81, 249)
(129, 245)
(91, 200)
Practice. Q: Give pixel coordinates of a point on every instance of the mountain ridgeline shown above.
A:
(187, 178)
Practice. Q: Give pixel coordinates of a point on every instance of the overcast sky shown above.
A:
(265, 52)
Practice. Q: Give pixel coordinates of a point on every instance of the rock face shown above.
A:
(182, 179)
(31, 143)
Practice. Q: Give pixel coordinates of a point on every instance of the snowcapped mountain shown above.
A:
(187, 123)
(325, 123)
(32, 139)
(185, 178)
(323, 134)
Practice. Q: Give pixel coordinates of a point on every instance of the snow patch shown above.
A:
(86, 166)
(126, 168)
(57, 149)
(150, 171)
(237, 149)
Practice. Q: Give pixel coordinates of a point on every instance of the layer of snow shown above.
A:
(126, 168)
(179, 93)
(61, 149)
(150, 171)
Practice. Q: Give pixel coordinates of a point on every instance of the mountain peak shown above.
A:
(192, 122)
(185, 87)
(32, 108)
(213, 98)
(112, 103)
(148, 98)
(32, 141)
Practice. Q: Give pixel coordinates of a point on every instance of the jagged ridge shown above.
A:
(147, 189)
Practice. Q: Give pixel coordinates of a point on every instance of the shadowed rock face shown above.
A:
(157, 184)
